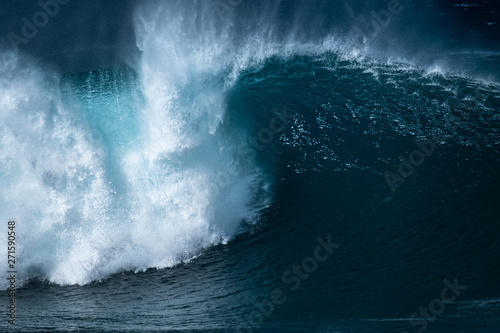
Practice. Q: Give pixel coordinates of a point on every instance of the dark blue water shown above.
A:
(253, 167)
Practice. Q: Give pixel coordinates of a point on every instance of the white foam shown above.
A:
(178, 186)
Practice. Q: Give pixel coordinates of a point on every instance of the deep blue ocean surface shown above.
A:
(250, 166)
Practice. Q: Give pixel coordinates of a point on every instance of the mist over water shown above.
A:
(88, 35)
